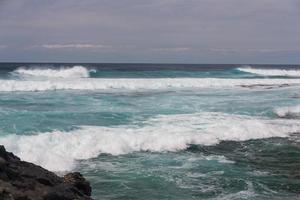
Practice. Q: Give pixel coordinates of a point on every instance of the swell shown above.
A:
(59, 150)
(135, 84)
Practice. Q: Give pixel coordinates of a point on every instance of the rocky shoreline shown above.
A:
(20, 180)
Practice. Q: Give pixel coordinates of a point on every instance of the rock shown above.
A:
(77, 180)
(21, 180)
(265, 86)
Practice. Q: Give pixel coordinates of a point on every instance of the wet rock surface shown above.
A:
(21, 180)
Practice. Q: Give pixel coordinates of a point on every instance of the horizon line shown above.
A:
(145, 63)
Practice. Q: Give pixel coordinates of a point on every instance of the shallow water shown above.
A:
(158, 131)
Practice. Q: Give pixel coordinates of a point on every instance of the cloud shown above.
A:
(75, 46)
(174, 49)
(224, 50)
(268, 50)
(3, 46)
(253, 50)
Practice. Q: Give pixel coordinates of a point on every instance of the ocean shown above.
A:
(158, 131)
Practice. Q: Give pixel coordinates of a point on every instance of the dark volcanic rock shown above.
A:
(265, 86)
(21, 180)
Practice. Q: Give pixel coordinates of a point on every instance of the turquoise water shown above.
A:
(158, 131)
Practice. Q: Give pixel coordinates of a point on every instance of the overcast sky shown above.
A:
(172, 31)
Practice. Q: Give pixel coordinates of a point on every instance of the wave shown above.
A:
(288, 112)
(72, 72)
(59, 151)
(136, 84)
(271, 72)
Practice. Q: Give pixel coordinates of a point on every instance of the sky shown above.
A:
(150, 31)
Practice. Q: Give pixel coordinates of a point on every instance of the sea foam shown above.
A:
(271, 72)
(59, 150)
(65, 72)
(289, 112)
(135, 84)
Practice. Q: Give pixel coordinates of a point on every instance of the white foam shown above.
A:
(134, 84)
(271, 72)
(67, 72)
(291, 111)
(249, 193)
(59, 151)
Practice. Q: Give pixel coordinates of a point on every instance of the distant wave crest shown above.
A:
(288, 112)
(59, 150)
(65, 72)
(271, 72)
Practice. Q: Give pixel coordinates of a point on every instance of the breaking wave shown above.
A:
(271, 72)
(59, 150)
(72, 72)
(135, 84)
(288, 112)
